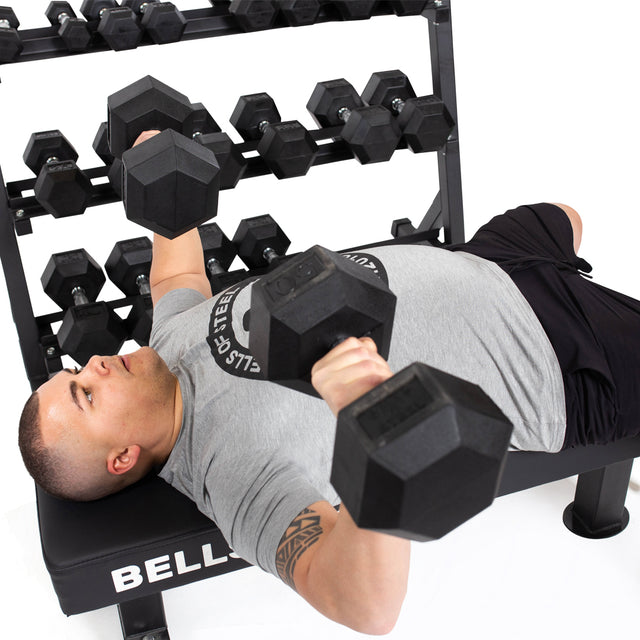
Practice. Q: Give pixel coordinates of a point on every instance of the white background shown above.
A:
(548, 111)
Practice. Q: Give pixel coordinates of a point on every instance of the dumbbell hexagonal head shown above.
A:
(69, 270)
(330, 98)
(120, 29)
(93, 9)
(372, 133)
(426, 124)
(201, 121)
(101, 144)
(391, 89)
(170, 184)
(73, 31)
(298, 13)
(301, 309)
(164, 23)
(408, 7)
(355, 9)
(253, 15)
(252, 112)
(128, 260)
(143, 105)
(10, 42)
(288, 149)
(255, 235)
(45, 145)
(420, 454)
(63, 189)
(216, 246)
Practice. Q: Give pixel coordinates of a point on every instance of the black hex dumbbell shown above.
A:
(161, 20)
(73, 280)
(260, 241)
(117, 25)
(425, 121)
(371, 132)
(219, 252)
(10, 41)
(352, 9)
(286, 147)
(298, 13)
(128, 267)
(73, 31)
(170, 183)
(408, 7)
(61, 187)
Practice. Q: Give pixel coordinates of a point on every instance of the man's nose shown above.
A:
(98, 365)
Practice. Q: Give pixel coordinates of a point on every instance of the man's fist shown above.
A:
(348, 371)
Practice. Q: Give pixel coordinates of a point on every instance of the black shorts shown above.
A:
(594, 331)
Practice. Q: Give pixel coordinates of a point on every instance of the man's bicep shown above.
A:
(301, 540)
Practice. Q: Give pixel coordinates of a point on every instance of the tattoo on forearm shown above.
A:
(303, 533)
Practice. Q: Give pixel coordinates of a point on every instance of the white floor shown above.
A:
(548, 110)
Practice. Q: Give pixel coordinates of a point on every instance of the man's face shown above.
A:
(112, 401)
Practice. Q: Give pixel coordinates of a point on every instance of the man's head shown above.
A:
(88, 433)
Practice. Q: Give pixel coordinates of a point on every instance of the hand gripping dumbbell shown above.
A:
(425, 121)
(73, 31)
(161, 20)
(416, 456)
(260, 241)
(371, 132)
(61, 187)
(128, 267)
(219, 252)
(170, 183)
(286, 147)
(10, 41)
(117, 25)
(73, 280)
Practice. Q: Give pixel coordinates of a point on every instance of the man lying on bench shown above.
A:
(510, 311)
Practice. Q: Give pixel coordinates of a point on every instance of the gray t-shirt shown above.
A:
(253, 454)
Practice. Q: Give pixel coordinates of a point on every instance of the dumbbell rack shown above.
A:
(69, 531)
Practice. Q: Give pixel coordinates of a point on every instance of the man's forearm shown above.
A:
(358, 577)
(178, 262)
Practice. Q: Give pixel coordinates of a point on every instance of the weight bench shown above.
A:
(96, 560)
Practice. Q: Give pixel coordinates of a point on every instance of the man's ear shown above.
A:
(124, 460)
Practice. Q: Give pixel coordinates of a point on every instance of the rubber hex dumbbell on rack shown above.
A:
(260, 241)
(416, 456)
(232, 163)
(425, 121)
(117, 25)
(372, 133)
(61, 187)
(10, 41)
(101, 147)
(73, 31)
(286, 147)
(161, 20)
(170, 182)
(299, 13)
(128, 267)
(73, 280)
(353, 9)
(252, 15)
(219, 252)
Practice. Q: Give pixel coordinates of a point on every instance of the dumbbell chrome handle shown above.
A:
(4, 24)
(397, 105)
(142, 282)
(270, 254)
(344, 113)
(79, 296)
(214, 267)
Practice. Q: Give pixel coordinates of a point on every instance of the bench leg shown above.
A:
(143, 618)
(598, 510)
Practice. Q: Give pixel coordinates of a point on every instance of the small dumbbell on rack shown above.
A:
(61, 187)
(117, 25)
(128, 267)
(219, 252)
(161, 20)
(260, 242)
(286, 147)
(10, 42)
(73, 31)
(371, 132)
(170, 183)
(101, 147)
(424, 121)
(73, 280)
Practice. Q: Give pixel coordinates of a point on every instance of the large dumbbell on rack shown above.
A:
(128, 267)
(219, 252)
(73, 280)
(371, 132)
(61, 187)
(424, 121)
(286, 147)
(170, 183)
(117, 25)
(10, 42)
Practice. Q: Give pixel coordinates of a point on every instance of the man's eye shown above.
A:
(88, 394)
